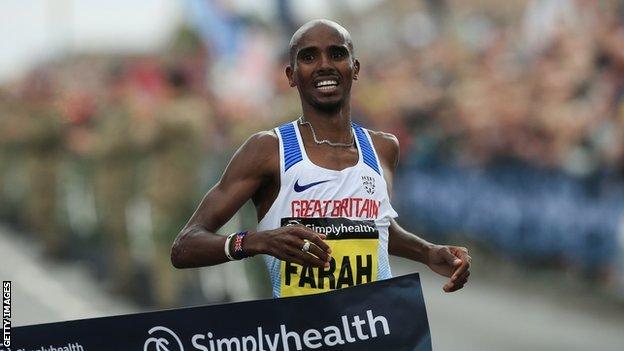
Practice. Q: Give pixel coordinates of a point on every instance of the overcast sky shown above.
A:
(35, 30)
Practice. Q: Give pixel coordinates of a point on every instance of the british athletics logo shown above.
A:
(365, 317)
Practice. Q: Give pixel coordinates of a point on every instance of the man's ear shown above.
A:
(289, 75)
(356, 68)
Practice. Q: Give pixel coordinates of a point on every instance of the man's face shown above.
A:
(323, 68)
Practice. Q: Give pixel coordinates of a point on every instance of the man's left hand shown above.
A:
(450, 261)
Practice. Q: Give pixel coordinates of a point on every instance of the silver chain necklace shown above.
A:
(325, 141)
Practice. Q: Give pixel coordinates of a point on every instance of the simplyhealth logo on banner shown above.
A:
(348, 330)
(163, 343)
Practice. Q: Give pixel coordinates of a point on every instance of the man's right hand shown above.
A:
(286, 244)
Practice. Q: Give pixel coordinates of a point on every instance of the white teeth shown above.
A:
(326, 82)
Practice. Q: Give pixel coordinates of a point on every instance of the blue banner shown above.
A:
(384, 315)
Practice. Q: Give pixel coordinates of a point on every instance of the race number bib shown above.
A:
(354, 259)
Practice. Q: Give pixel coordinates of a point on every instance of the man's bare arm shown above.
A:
(449, 261)
(197, 244)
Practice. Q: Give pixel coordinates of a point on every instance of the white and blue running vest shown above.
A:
(351, 206)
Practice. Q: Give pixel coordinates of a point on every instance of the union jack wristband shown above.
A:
(239, 253)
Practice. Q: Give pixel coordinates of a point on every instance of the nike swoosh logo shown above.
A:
(300, 188)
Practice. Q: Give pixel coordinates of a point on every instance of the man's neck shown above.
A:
(332, 125)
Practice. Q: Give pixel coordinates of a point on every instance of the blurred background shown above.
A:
(117, 116)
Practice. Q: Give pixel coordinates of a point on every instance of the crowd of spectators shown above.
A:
(484, 90)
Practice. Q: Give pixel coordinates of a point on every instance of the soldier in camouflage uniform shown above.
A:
(43, 146)
(172, 176)
(115, 159)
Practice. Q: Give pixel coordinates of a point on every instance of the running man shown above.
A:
(320, 185)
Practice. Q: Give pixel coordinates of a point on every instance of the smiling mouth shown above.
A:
(326, 85)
